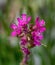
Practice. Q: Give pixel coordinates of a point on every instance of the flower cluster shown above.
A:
(30, 34)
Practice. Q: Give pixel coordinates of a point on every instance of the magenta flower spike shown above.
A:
(30, 34)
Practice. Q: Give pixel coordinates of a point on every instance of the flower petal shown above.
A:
(37, 20)
(37, 43)
(25, 50)
(40, 37)
(14, 33)
(24, 17)
(19, 20)
(18, 32)
(28, 19)
(42, 29)
(23, 40)
(42, 22)
(13, 26)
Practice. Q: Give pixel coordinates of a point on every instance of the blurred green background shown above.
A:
(10, 53)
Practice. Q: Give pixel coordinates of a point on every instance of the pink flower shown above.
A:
(39, 25)
(26, 51)
(24, 20)
(22, 25)
(37, 37)
(23, 41)
(16, 30)
(37, 33)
